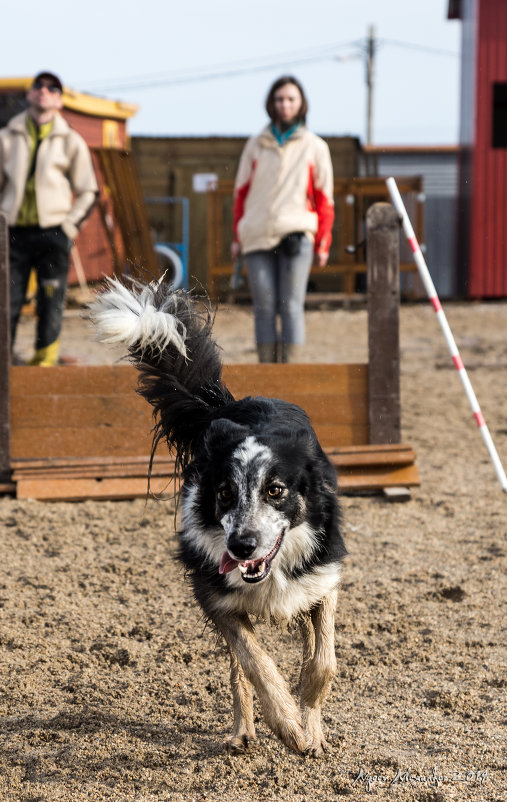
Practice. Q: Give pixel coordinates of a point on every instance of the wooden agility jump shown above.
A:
(72, 432)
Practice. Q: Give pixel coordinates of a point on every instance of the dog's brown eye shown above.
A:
(225, 494)
(274, 491)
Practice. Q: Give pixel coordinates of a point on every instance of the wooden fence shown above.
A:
(353, 197)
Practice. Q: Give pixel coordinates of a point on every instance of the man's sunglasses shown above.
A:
(53, 88)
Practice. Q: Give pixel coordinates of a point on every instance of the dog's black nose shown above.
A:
(243, 545)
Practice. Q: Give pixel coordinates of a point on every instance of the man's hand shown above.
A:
(235, 250)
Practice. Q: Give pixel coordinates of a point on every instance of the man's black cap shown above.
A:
(49, 76)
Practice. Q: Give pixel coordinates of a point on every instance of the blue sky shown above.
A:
(203, 67)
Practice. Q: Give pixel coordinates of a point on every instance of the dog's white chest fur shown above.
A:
(279, 597)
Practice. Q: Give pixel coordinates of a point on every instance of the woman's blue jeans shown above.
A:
(278, 285)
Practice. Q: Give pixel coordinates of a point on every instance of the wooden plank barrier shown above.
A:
(83, 432)
(63, 418)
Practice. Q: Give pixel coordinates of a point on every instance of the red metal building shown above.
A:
(482, 227)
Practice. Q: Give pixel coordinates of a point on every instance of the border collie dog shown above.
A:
(259, 511)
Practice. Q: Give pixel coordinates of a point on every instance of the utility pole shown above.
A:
(370, 70)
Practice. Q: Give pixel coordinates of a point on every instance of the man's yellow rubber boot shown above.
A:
(46, 357)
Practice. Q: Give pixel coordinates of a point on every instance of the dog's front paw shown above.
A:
(239, 744)
(316, 744)
(293, 736)
(317, 747)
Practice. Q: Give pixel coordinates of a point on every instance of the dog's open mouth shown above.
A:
(250, 570)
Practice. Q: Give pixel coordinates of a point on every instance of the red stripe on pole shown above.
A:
(458, 362)
(413, 244)
(479, 419)
(424, 273)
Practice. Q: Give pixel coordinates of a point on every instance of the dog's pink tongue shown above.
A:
(227, 563)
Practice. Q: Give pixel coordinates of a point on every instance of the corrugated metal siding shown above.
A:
(440, 174)
(488, 247)
(439, 169)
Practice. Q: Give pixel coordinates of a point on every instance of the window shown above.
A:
(500, 115)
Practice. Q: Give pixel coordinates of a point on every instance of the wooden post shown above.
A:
(5, 353)
(383, 293)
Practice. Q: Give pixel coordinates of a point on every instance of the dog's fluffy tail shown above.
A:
(170, 342)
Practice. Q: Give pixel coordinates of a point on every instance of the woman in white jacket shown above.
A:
(283, 215)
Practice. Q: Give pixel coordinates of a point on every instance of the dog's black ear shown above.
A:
(222, 432)
(303, 439)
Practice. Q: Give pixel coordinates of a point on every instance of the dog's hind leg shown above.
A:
(278, 707)
(243, 730)
(318, 669)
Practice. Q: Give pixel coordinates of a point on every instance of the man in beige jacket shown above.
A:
(47, 188)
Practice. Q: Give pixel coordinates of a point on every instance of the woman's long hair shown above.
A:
(270, 100)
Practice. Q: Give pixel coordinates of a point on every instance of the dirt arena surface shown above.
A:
(112, 687)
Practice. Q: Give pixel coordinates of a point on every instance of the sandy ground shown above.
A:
(112, 687)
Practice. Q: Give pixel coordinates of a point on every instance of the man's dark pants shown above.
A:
(47, 251)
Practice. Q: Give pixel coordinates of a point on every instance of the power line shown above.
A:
(359, 48)
(423, 48)
(224, 70)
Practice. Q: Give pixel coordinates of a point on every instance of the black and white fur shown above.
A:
(260, 518)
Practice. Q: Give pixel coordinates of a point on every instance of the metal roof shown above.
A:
(77, 101)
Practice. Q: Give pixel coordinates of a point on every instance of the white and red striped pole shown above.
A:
(435, 302)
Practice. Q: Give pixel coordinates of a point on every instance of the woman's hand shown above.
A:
(235, 250)
(322, 257)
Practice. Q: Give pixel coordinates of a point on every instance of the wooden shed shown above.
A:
(482, 230)
(101, 246)
(180, 167)
(168, 166)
